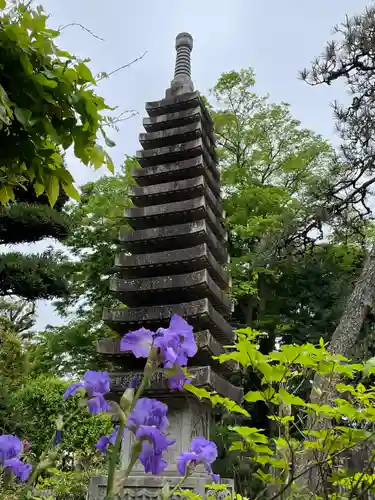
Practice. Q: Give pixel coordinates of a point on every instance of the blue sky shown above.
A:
(275, 38)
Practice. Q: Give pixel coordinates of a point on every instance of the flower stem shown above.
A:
(147, 374)
(43, 460)
(179, 484)
(114, 456)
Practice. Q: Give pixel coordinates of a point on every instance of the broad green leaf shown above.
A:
(281, 420)
(23, 116)
(250, 434)
(289, 399)
(110, 164)
(71, 191)
(84, 73)
(254, 396)
(39, 188)
(3, 4)
(216, 399)
(45, 82)
(52, 189)
(6, 194)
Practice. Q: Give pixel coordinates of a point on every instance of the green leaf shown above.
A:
(250, 434)
(85, 74)
(110, 164)
(254, 396)
(45, 82)
(39, 188)
(23, 116)
(52, 189)
(3, 4)
(71, 191)
(216, 399)
(289, 399)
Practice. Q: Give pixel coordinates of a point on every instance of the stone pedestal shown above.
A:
(147, 487)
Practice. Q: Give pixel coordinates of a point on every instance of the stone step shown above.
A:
(186, 169)
(203, 376)
(157, 239)
(168, 214)
(157, 194)
(171, 289)
(198, 313)
(172, 262)
(207, 348)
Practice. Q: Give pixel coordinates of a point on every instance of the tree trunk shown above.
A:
(358, 307)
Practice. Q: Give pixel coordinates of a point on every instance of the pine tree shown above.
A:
(31, 219)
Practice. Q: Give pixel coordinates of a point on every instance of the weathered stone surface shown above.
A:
(174, 104)
(169, 120)
(168, 192)
(168, 214)
(172, 262)
(166, 238)
(202, 376)
(170, 136)
(175, 171)
(148, 487)
(199, 313)
(155, 290)
(174, 152)
(207, 348)
(172, 289)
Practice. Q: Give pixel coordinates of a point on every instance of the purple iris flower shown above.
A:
(96, 384)
(104, 441)
(176, 343)
(97, 404)
(151, 462)
(58, 437)
(201, 451)
(148, 412)
(19, 469)
(139, 342)
(147, 421)
(10, 447)
(154, 443)
(178, 380)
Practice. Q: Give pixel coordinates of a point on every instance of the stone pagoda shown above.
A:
(173, 262)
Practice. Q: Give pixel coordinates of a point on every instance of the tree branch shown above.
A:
(82, 27)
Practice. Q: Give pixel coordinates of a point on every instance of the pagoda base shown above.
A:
(148, 487)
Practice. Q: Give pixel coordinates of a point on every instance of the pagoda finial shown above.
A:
(181, 83)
